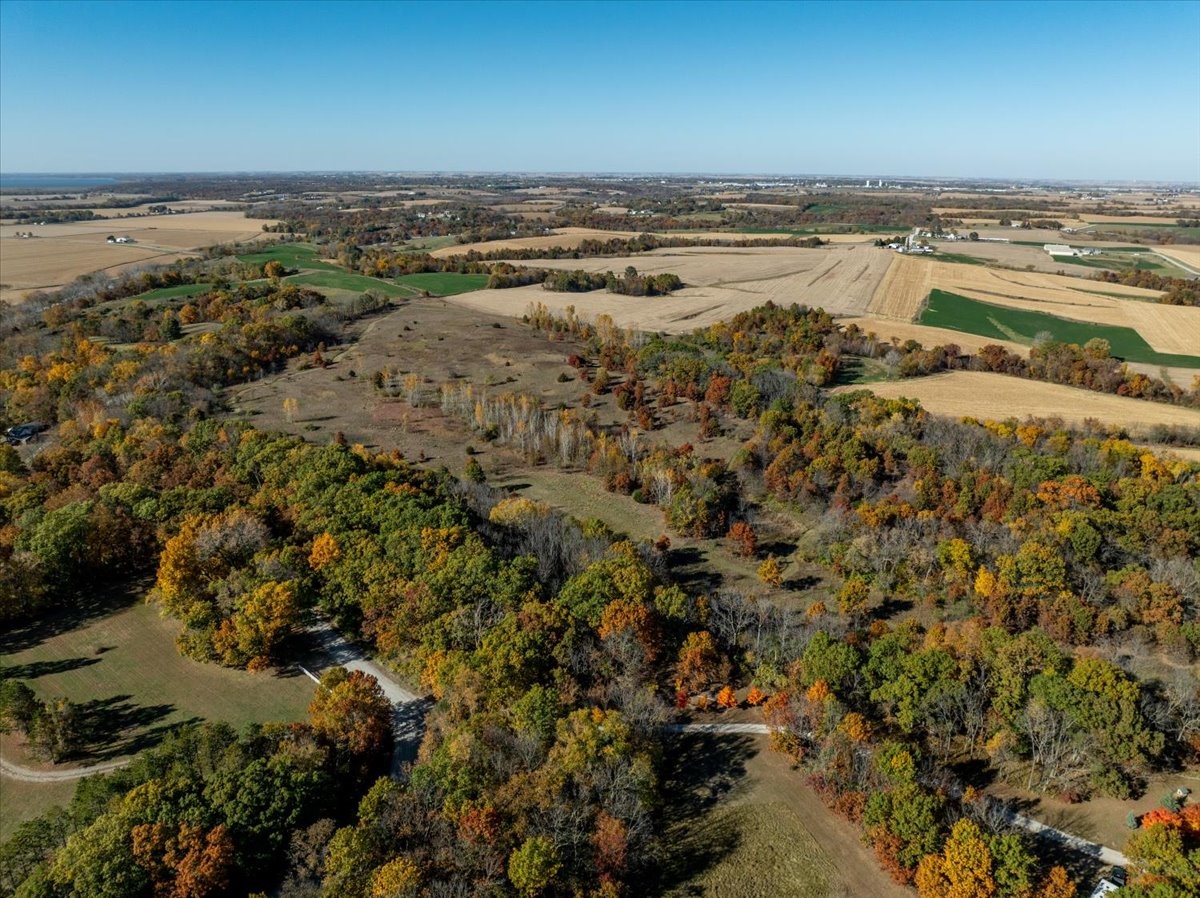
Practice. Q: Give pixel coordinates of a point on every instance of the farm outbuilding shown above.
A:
(1060, 249)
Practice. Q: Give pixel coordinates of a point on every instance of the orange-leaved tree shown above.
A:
(351, 710)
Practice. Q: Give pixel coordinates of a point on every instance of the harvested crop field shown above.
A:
(985, 395)
(569, 238)
(722, 281)
(58, 253)
(887, 329)
(1169, 329)
(1188, 255)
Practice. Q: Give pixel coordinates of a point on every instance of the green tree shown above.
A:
(533, 866)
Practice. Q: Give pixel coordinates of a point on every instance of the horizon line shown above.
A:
(564, 173)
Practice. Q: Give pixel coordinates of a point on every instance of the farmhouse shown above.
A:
(112, 239)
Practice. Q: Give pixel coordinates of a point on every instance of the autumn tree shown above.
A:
(743, 539)
(770, 572)
(727, 698)
(698, 661)
(351, 710)
(962, 870)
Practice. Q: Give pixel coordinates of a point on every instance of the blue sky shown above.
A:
(1039, 90)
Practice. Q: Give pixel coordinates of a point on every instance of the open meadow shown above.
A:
(735, 806)
(119, 663)
(58, 253)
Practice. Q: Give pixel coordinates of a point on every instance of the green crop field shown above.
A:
(444, 283)
(954, 312)
(290, 255)
(1121, 262)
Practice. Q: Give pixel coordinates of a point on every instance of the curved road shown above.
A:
(409, 723)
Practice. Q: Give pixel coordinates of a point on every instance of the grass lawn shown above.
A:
(121, 665)
(949, 310)
(444, 283)
(124, 663)
(290, 255)
(344, 280)
(24, 801)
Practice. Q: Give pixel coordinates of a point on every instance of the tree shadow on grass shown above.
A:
(35, 669)
(703, 771)
(689, 570)
(114, 727)
(76, 611)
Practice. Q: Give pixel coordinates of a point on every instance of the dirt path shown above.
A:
(29, 775)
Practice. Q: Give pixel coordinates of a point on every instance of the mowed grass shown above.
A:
(954, 312)
(290, 255)
(443, 283)
(24, 801)
(344, 280)
(127, 657)
(754, 851)
(123, 668)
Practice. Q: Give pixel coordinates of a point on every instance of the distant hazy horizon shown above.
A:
(101, 178)
(1006, 91)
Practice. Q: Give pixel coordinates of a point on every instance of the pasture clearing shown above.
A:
(1167, 329)
(961, 313)
(291, 255)
(735, 806)
(121, 665)
(982, 394)
(58, 253)
(443, 283)
(20, 801)
(344, 280)
(124, 661)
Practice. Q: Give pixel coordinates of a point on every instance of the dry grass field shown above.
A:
(61, 252)
(1170, 329)
(722, 281)
(997, 396)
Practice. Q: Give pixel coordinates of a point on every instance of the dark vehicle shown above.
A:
(20, 434)
(1117, 875)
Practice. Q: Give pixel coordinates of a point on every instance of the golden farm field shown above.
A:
(58, 253)
(721, 281)
(569, 238)
(982, 394)
(1168, 329)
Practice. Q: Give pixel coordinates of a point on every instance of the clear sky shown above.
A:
(1014, 90)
